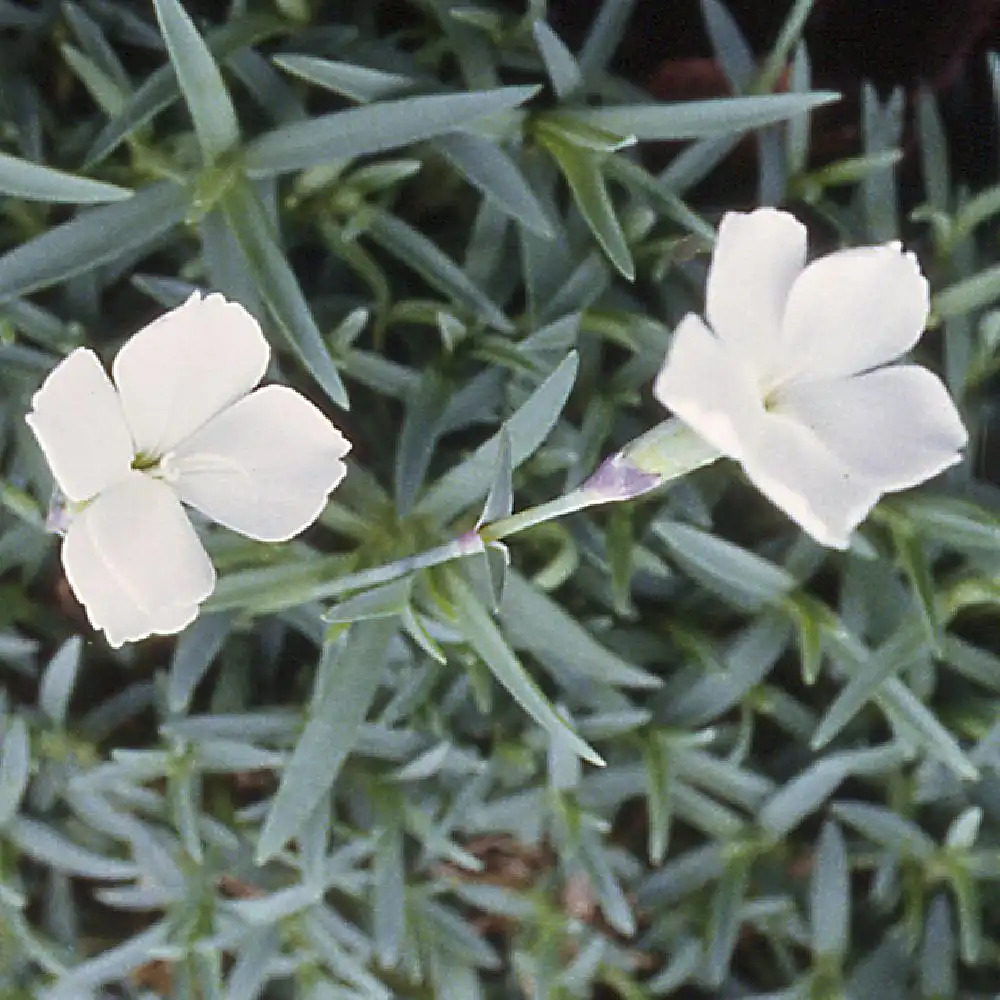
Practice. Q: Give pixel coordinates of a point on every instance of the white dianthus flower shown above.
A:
(179, 423)
(788, 375)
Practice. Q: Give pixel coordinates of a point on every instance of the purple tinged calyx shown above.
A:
(618, 478)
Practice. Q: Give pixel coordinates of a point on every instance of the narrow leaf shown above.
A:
(194, 653)
(484, 164)
(83, 243)
(161, 88)
(500, 499)
(15, 768)
(482, 634)
(380, 602)
(559, 62)
(375, 128)
(582, 170)
(348, 677)
(699, 119)
(359, 83)
(528, 428)
(200, 81)
(279, 287)
(535, 622)
(415, 250)
(830, 894)
(58, 680)
(31, 181)
(741, 576)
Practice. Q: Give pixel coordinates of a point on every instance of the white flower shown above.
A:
(786, 376)
(180, 423)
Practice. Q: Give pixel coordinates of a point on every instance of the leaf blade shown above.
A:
(200, 81)
(374, 128)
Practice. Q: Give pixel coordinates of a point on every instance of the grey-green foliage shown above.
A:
(341, 783)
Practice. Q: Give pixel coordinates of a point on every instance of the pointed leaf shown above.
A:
(359, 83)
(83, 243)
(482, 634)
(887, 829)
(33, 182)
(539, 624)
(528, 428)
(161, 88)
(386, 601)
(279, 287)
(698, 119)
(15, 769)
(348, 677)
(559, 62)
(483, 163)
(200, 81)
(58, 680)
(582, 170)
(194, 653)
(415, 250)
(830, 894)
(737, 574)
(374, 128)
(500, 499)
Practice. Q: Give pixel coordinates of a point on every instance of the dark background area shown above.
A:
(938, 44)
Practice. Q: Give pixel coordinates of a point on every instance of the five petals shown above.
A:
(179, 423)
(793, 384)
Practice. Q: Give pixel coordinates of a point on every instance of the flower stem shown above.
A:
(666, 452)
(464, 545)
(575, 500)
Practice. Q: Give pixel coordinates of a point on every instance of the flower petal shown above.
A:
(185, 367)
(757, 258)
(134, 561)
(77, 418)
(264, 466)
(710, 388)
(854, 310)
(796, 471)
(897, 426)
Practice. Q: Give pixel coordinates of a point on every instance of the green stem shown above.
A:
(548, 511)
(666, 452)
(464, 545)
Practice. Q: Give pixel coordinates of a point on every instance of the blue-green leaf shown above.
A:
(279, 287)
(161, 88)
(415, 250)
(200, 81)
(528, 428)
(33, 182)
(484, 164)
(85, 242)
(374, 129)
(347, 678)
(484, 637)
(359, 83)
(698, 119)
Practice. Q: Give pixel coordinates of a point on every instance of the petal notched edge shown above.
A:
(263, 467)
(854, 310)
(185, 367)
(77, 418)
(758, 257)
(709, 387)
(897, 426)
(135, 563)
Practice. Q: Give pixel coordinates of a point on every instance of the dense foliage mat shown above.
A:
(669, 747)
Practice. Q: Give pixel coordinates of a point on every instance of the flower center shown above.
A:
(162, 467)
